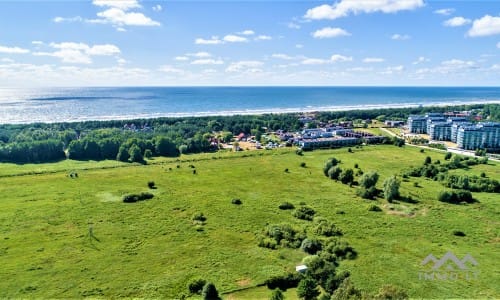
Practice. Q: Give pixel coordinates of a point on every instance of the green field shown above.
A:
(65, 237)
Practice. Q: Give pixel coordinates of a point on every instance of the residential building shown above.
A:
(440, 131)
(417, 124)
(470, 137)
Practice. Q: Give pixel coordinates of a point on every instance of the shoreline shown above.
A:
(254, 112)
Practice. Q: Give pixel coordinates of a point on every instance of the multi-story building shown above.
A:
(440, 131)
(432, 120)
(491, 135)
(470, 137)
(417, 124)
(454, 129)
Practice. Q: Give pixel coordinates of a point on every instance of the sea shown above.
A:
(49, 105)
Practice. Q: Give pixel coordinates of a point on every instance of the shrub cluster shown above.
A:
(284, 282)
(196, 285)
(455, 197)
(236, 201)
(283, 235)
(286, 205)
(131, 198)
(304, 213)
(326, 228)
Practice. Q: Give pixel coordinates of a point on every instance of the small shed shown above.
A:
(301, 268)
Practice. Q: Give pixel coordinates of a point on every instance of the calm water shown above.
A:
(79, 104)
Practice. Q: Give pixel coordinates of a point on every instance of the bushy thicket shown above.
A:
(284, 282)
(304, 213)
(131, 198)
(455, 197)
(284, 235)
(286, 205)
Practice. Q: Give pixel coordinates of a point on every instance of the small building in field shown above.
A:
(301, 268)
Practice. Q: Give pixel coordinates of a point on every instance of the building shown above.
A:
(417, 124)
(470, 137)
(440, 131)
(433, 120)
(454, 129)
(394, 123)
(332, 142)
(491, 135)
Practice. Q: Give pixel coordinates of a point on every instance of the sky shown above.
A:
(247, 43)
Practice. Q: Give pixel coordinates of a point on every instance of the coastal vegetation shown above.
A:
(77, 231)
(135, 140)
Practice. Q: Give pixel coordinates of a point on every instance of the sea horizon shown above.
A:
(77, 104)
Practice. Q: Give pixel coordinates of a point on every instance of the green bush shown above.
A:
(303, 164)
(209, 292)
(283, 282)
(131, 198)
(196, 285)
(286, 205)
(151, 184)
(374, 207)
(311, 246)
(199, 217)
(458, 233)
(326, 228)
(304, 213)
(236, 201)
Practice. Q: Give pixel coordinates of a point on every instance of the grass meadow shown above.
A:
(65, 237)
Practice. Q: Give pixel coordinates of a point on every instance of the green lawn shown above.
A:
(152, 249)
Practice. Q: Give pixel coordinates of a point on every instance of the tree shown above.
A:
(123, 154)
(447, 156)
(369, 179)
(277, 294)
(209, 292)
(391, 188)
(135, 154)
(165, 147)
(391, 292)
(183, 149)
(148, 153)
(307, 289)
(334, 173)
(346, 291)
(427, 160)
(347, 176)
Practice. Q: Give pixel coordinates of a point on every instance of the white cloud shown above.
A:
(207, 62)
(420, 60)
(7, 60)
(181, 58)
(495, 67)
(359, 69)
(315, 61)
(282, 56)
(79, 53)
(214, 40)
(338, 57)
(170, 69)
(449, 67)
(329, 32)
(456, 22)
(231, 38)
(400, 37)
(37, 43)
(263, 38)
(200, 54)
(116, 13)
(444, 11)
(299, 46)
(121, 17)
(247, 32)
(373, 60)
(68, 20)
(293, 25)
(498, 45)
(485, 26)
(157, 7)
(245, 66)
(13, 50)
(346, 7)
(121, 4)
(392, 70)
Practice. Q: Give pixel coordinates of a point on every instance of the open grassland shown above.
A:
(65, 237)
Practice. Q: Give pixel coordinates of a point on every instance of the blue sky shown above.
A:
(170, 43)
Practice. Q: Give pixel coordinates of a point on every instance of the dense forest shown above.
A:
(132, 140)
